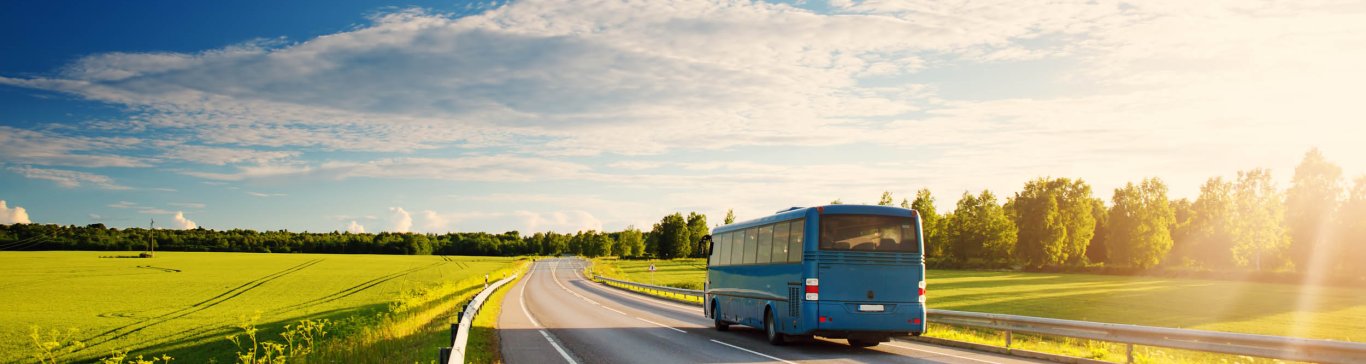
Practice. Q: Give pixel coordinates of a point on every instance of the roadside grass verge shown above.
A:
(483, 346)
(413, 331)
(687, 273)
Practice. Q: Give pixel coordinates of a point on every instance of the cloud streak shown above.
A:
(68, 178)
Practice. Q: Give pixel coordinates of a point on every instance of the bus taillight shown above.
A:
(922, 291)
(813, 289)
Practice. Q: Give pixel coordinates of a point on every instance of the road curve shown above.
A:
(554, 315)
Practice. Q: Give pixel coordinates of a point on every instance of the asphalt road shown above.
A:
(555, 315)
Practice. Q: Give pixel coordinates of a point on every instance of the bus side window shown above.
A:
(780, 242)
(724, 255)
(737, 247)
(715, 250)
(751, 245)
(794, 250)
(765, 251)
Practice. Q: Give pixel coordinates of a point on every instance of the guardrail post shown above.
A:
(1007, 339)
(455, 329)
(1129, 353)
(444, 356)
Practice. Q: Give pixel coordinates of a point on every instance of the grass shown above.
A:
(686, 273)
(483, 341)
(186, 304)
(1335, 313)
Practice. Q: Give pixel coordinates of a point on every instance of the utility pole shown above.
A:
(151, 237)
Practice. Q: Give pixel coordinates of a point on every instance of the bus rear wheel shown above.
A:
(721, 325)
(774, 337)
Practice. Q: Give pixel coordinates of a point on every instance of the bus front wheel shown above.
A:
(721, 325)
(774, 337)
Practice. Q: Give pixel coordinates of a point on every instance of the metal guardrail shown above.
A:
(678, 294)
(460, 332)
(1266, 346)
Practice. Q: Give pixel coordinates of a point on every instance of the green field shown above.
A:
(681, 273)
(185, 304)
(1337, 313)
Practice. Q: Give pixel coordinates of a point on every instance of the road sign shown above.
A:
(652, 267)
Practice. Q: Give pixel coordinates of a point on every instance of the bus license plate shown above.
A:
(870, 308)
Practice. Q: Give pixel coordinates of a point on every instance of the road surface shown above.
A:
(555, 315)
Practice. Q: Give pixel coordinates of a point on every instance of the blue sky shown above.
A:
(538, 115)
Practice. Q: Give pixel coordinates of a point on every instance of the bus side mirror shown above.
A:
(706, 241)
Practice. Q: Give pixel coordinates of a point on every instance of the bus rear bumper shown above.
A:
(903, 318)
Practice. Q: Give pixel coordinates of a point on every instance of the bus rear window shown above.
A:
(868, 233)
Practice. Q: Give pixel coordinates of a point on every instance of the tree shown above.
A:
(671, 234)
(632, 242)
(1211, 228)
(886, 199)
(1139, 224)
(697, 228)
(837, 202)
(1054, 220)
(981, 229)
(1096, 250)
(1310, 204)
(730, 216)
(1183, 210)
(1259, 227)
(930, 224)
(1351, 229)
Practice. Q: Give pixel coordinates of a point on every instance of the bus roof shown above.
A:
(797, 213)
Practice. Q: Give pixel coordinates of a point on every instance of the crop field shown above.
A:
(185, 304)
(1337, 313)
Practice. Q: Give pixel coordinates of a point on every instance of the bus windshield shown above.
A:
(868, 233)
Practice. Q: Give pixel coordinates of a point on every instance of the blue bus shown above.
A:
(855, 272)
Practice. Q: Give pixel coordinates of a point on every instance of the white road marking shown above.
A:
(522, 300)
(556, 278)
(939, 353)
(661, 325)
(753, 352)
(558, 348)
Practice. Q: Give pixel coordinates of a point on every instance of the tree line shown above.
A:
(1246, 223)
(673, 237)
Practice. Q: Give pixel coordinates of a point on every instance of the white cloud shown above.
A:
(559, 221)
(69, 179)
(498, 168)
(52, 148)
(400, 220)
(263, 194)
(222, 156)
(433, 222)
(180, 222)
(355, 228)
(16, 215)
(188, 205)
(123, 205)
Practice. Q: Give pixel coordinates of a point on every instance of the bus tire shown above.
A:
(771, 330)
(721, 325)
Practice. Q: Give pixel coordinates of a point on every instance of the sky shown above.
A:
(438, 116)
